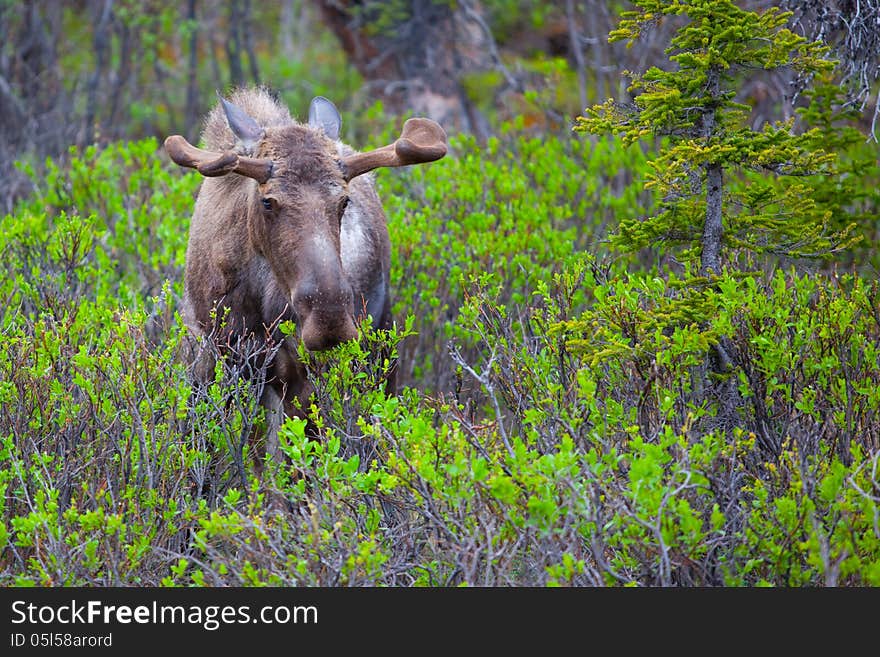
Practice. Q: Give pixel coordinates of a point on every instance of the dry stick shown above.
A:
(485, 380)
(873, 136)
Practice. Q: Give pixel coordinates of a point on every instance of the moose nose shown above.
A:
(319, 334)
(326, 318)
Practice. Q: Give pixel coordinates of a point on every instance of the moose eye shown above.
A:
(268, 204)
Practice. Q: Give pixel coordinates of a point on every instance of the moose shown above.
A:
(288, 226)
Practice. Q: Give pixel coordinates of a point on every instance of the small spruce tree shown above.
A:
(716, 196)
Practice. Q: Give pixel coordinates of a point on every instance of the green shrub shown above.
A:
(556, 424)
(518, 208)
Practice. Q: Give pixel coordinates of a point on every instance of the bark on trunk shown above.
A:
(191, 114)
(101, 44)
(233, 45)
(720, 360)
(713, 229)
(123, 73)
(577, 52)
(248, 43)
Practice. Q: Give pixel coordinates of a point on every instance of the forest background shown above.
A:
(596, 389)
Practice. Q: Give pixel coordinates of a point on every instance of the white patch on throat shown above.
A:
(352, 239)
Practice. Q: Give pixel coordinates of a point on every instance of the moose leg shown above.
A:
(264, 440)
(274, 406)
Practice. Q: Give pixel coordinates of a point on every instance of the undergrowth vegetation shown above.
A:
(557, 423)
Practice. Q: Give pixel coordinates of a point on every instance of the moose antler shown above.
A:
(212, 164)
(421, 140)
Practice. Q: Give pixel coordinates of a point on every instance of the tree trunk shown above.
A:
(247, 42)
(233, 44)
(713, 229)
(102, 46)
(292, 17)
(577, 52)
(191, 114)
(720, 361)
(419, 61)
(123, 73)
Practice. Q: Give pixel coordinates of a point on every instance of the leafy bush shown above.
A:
(518, 209)
(557, 425)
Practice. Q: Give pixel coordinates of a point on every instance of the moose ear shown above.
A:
(246, 130)
(323, 114)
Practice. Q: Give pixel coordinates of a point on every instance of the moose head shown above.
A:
(314, 238)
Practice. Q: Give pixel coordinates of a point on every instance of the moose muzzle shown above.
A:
(326, 316)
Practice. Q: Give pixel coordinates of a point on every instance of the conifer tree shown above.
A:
(723, 186)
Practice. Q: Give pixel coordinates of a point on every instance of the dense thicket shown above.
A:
(558, 422)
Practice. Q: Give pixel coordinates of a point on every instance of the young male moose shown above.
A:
(286, 226)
